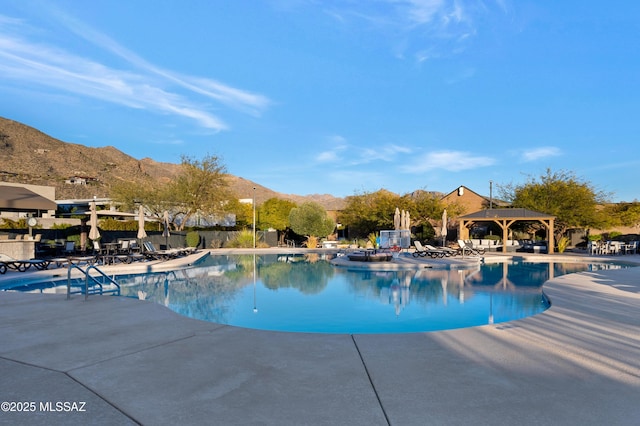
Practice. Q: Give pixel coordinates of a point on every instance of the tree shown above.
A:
(370, 212)
(572, 201)
(426, 212)
(201, 188)
(243, 212)
(153, 195)
(310, 219)
(622, 214)
(274, 213)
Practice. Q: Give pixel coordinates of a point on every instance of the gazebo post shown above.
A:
(505, 235)
(550, 238)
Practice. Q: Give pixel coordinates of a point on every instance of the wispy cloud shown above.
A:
(453, 161)
(345, 154)
(142, 85)
(539, 153)
(419, 29)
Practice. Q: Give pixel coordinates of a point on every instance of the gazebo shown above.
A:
(505, 218)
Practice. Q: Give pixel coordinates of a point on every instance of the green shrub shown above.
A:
(614, 234)
(244, 239)
(361, 243)
(60, 226)
(373, 239)
(12, 224)
(110, 224)
(563, 242)
(193, 239)
(492, 237)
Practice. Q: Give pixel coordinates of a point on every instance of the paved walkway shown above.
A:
(124, 361)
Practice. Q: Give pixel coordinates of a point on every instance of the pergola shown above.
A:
(505, 218)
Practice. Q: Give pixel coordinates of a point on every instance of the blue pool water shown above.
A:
(305, 293)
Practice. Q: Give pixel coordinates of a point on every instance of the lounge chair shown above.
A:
(7, 262)
(152, 253)
(131, 251)
(446, 250)
(466, 247)
(421, 251)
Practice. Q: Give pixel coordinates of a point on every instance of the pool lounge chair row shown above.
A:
(151, 252)
(9, 263)
(431, 251)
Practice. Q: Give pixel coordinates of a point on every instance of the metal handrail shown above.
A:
(95, 281)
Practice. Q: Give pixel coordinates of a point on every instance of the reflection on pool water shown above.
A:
(305, 293)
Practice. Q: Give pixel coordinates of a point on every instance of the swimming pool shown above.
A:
(305, 293)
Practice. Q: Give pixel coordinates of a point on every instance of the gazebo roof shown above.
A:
(519, 214)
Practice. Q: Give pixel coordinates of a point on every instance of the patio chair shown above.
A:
(152, 253)
(131, 251)
(466, 247)
(421, 251)
(69, 248)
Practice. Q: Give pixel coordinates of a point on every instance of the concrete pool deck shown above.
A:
(135, 362)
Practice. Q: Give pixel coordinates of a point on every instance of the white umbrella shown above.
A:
(94, 233)
(407, 221)
(443, 231)
(396, 219)
(141, 232)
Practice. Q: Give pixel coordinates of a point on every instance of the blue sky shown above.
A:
(342, 96)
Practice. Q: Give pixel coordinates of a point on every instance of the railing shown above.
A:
(97, 283)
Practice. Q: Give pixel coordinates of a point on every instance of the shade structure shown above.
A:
(141, 232)
(396, 219)
(94, 233)
(443, 230)
(19, 198)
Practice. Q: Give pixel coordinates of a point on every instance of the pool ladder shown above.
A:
(92, 284)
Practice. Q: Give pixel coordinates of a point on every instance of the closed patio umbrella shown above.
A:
(396, 219)
(165, 231)
(443, 231)
(141, 232)
(94, 233)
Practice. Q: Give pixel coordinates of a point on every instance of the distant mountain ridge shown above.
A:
(33, 157)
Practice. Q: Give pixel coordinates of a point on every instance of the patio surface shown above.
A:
(124, 361)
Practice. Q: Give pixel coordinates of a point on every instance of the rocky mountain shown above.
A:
(32, 157)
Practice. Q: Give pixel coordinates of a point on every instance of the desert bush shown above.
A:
(244, 239)
(563, 242)
(373, 239)
(312, 242)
